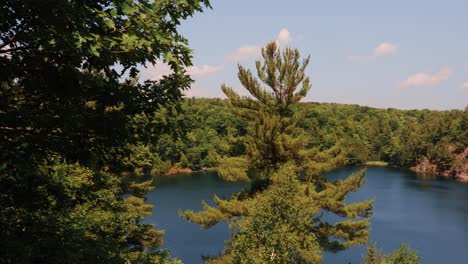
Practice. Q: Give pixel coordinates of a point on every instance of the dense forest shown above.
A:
(433, 142)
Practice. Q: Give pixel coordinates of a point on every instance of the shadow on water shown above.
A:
(431, 215)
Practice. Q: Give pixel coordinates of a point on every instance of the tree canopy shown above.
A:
(71, 113)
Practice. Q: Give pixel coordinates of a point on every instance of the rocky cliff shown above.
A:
(458, 171)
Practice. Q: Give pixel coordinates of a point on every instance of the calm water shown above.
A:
(431, 215)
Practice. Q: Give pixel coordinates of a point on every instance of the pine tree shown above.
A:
(374, 256)
(184, 161)
(274, 136)
(403, 255)
(280, 220)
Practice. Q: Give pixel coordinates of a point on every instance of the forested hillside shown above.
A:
(427, 141)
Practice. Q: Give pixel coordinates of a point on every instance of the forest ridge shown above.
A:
(427, 141)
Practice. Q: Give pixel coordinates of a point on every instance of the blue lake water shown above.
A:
(429, 214)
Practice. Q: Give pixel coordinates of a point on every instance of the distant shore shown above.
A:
(376, 163)
(175, 170)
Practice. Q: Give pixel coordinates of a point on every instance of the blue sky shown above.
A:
(402, 54)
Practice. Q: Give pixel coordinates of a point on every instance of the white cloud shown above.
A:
(245, 52)
(427, 79)
(254, 51)
(465, 85)
(204, 70)
(380, 50)
(156, 72)
(384, 49)
(284, 36)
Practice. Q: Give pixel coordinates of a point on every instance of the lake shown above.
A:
(429, 214)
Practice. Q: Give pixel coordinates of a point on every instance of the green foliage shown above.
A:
(77, 70)
(403, 255)
(71, 107)
(183, 161)
(373, 255)
(80, 216)
(278, 227)
(140, 162)
(273, 137)
(202, 132)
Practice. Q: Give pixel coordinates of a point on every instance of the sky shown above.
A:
(400, 54)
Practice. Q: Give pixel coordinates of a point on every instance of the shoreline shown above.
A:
(183, 171)
(174, 171)
(376, 163)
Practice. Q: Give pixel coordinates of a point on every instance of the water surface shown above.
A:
(431, 215)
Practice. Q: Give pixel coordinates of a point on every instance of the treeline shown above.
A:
(403, 138)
